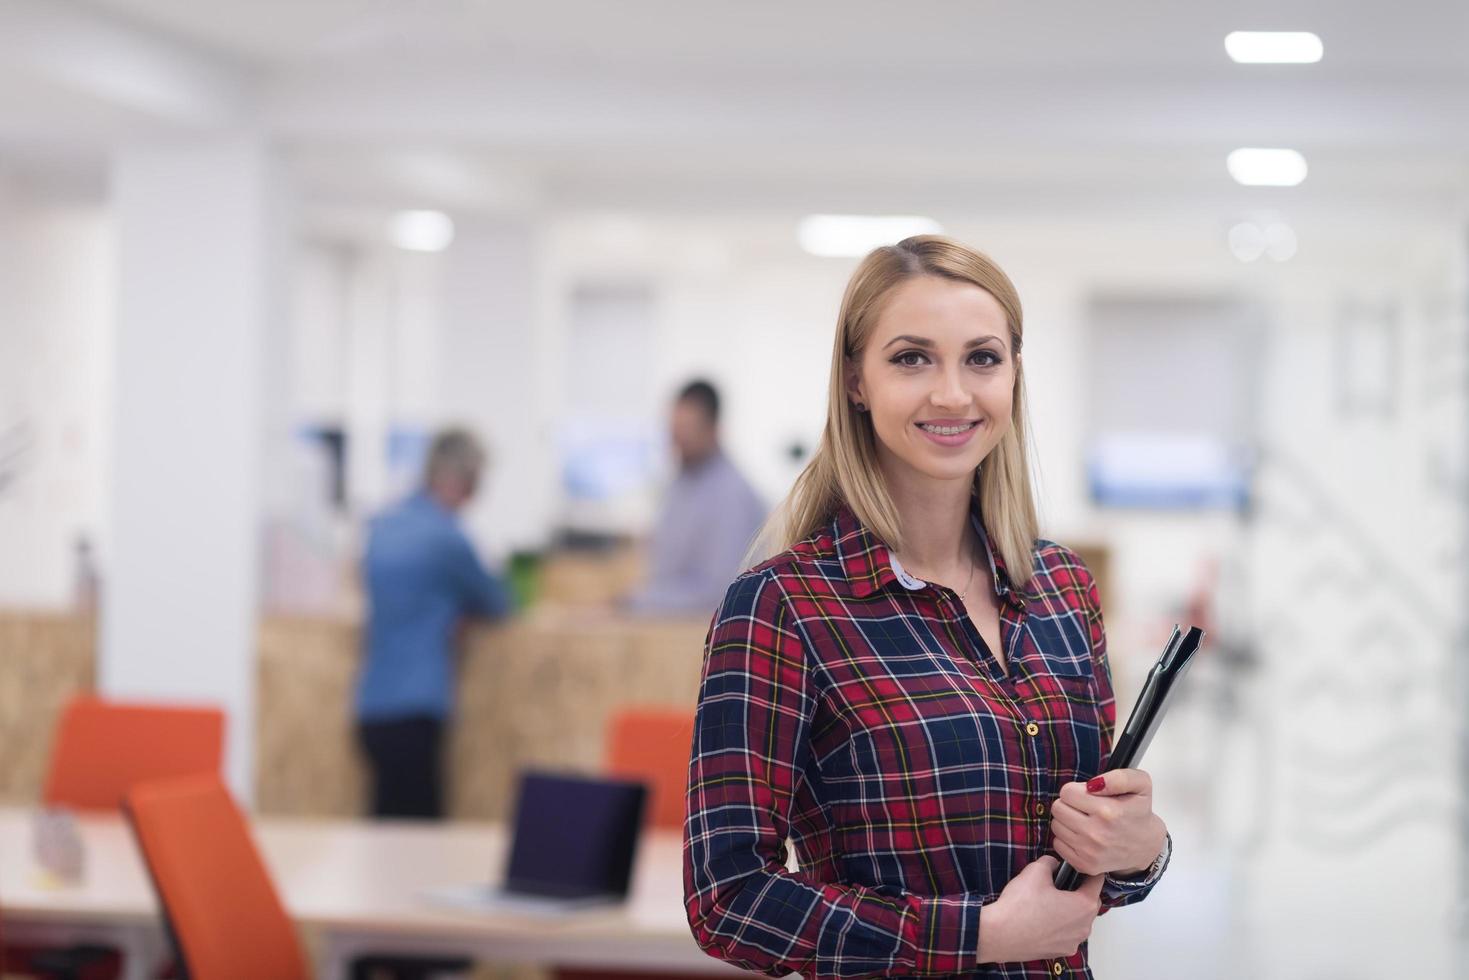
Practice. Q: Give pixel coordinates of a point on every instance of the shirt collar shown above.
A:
(705, 465)
(423, 500)
(864, 559)
(870, 565)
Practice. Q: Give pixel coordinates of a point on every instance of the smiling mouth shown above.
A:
(946, 430)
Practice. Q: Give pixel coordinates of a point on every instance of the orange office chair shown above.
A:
(102, 748)
(652, 744)
(221, 908)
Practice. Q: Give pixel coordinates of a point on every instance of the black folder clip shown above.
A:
(1146, 715)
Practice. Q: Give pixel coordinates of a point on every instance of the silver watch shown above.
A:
(1153, 870)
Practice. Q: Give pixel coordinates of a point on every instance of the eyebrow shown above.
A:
(928, 344)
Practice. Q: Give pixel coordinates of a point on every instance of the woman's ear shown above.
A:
(853, 378)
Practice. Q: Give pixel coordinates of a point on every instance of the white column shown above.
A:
(198, 260)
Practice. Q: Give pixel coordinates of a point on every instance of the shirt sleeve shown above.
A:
(751, 751)
(482, 592)
(1116, 892)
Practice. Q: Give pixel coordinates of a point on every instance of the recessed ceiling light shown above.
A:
(1274, 47)
(422, 231)
(1280, 241)
(1247, 241)
(852, 235)
(1258, 167)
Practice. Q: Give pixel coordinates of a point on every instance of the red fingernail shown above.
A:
(1096, 785)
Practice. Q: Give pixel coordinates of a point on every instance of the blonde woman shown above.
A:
(915, 690)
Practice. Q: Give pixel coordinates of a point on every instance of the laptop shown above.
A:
(572, 847)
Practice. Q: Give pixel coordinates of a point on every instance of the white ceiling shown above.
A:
(817, 104)
(963, 36)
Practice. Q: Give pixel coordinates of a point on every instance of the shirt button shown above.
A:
(1040, 809)
(1032, 729)
(1057, 968)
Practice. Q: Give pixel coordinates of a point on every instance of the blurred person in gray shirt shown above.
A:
(707, 519)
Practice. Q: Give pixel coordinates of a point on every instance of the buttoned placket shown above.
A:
(1039, 808)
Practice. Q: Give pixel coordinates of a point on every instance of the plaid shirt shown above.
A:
(855, 710)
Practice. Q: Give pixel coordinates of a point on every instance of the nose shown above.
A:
(950, 392)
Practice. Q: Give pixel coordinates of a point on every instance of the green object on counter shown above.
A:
(525, 578)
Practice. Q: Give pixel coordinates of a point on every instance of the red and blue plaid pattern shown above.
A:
(856, 711)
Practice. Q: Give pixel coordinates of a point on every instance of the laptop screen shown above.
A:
(575, 836)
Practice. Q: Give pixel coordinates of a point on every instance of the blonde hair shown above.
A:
(844, 469)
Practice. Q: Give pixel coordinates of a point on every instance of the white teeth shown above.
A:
(946, 430)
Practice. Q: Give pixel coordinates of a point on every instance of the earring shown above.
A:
(859, 406)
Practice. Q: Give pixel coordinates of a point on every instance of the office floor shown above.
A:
(1264, 886)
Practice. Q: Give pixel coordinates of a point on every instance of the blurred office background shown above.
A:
(252, 255)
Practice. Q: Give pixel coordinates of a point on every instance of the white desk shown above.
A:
(358, 885)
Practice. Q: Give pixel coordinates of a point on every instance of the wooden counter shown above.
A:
(535, 692)
(45, 659)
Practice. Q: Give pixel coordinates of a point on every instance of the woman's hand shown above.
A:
(1032, 919)
(1108, 825)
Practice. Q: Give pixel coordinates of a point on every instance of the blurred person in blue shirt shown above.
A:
(422, 578)
(707, 520)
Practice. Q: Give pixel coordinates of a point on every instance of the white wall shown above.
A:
(491, 351)
(55, 335)
(1357, 577)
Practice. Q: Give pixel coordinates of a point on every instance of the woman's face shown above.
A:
(937, 376)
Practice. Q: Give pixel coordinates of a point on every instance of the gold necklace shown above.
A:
(967, 582)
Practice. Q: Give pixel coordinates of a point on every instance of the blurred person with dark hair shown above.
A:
(708, 517)
(422, 578)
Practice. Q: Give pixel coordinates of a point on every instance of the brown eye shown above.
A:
(910, 358)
